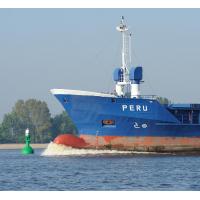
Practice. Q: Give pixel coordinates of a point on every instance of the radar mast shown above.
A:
(122, 84)
(127, 81)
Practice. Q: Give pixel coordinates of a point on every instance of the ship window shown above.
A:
(108, 122)
(113, 100)
(65, 100)
(196, 117)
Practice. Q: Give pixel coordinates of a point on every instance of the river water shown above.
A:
(97, 170)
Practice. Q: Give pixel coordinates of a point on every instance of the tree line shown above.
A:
(35, 115)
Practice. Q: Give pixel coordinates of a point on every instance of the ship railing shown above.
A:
(151, 97)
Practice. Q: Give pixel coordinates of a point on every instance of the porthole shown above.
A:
(65, 100)
(108, 122)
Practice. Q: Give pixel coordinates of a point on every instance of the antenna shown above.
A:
(123, 29)
(130, 61)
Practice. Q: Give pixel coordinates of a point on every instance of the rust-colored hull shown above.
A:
(70, 140)
(154, 144)
(150, 144)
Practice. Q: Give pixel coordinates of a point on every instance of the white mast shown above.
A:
(130, 46)
(124, 79)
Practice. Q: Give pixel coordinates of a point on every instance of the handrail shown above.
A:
(152, 97)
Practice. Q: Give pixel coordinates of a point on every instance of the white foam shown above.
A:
(54, 149)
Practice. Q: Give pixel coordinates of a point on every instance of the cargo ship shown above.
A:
(125, 119)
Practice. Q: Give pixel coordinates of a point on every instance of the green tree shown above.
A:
(32, 114)
(62, 124)
(163, 100)
(12, 128)
(39, 118)
(1, 134)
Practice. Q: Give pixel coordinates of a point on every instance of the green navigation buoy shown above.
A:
(27, 149)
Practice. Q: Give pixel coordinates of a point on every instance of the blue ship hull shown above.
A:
(131, 124)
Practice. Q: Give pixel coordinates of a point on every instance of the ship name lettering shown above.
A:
(124, 107)
(145, 108)
(137, 108)
(131, 107)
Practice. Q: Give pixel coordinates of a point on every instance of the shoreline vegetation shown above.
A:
(20, 146)
(34, 115)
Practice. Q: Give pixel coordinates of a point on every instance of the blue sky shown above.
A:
(41, 49)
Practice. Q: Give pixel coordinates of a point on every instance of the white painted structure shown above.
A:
(79, 92)
(135, 90)
(27, 132)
